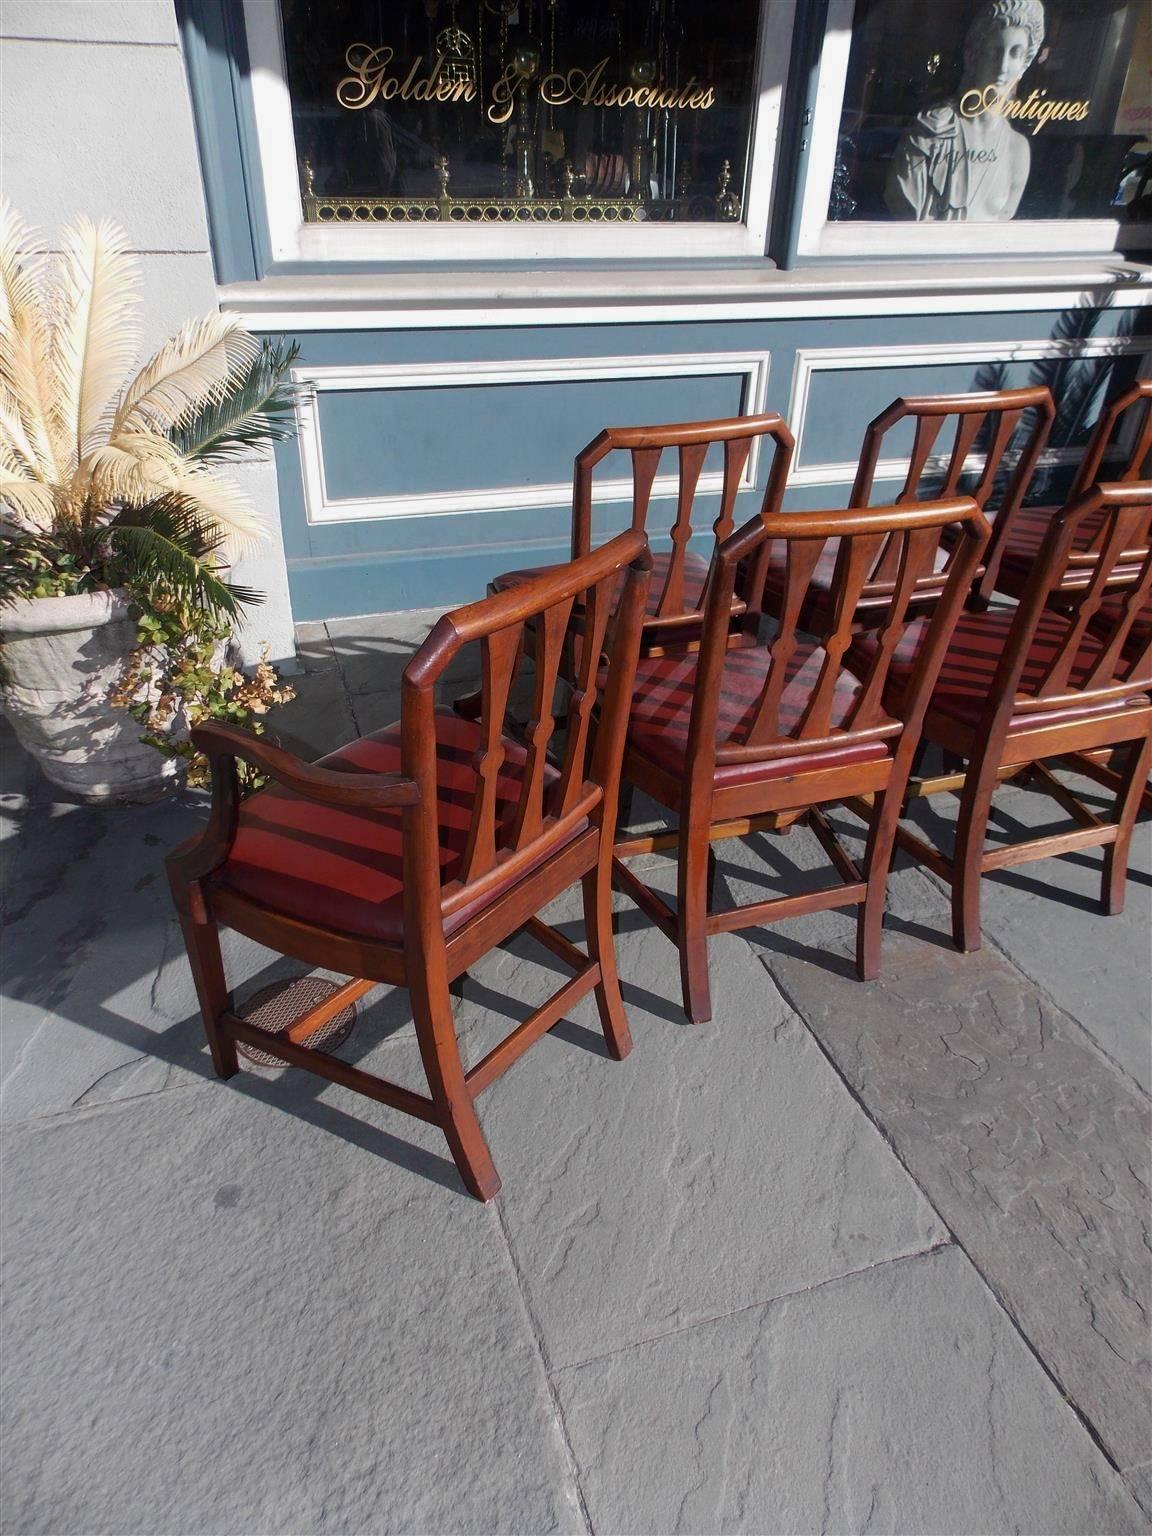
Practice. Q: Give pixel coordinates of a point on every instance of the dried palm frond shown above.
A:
(132, 470)
(96, 334)
(196, 365)
(221, 504)
(29, 506)
(25, 346)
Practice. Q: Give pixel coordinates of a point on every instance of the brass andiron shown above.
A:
(728, 208)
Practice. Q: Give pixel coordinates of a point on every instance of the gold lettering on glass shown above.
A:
(1035, 109)
(370, 81)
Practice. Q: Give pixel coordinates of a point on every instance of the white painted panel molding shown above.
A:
(813, 360)
(752, 367)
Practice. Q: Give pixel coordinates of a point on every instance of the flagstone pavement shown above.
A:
(850, 1258)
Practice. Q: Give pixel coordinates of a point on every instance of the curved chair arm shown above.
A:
(224, 746)
(361, 791)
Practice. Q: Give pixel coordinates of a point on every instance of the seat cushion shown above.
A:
(820, 583)
(344, 869)
(695, 574)
(965, 681)
(662, 712)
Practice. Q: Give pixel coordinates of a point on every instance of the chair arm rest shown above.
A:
(329, 786)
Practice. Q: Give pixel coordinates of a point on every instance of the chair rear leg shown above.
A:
(692, 925)
(202, 941)
(597, 888)
(1125, 811)
(440, 1053)
(877, 862)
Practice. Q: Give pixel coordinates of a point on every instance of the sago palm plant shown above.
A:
(109, 478)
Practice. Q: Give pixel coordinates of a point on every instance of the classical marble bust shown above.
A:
(963, 159)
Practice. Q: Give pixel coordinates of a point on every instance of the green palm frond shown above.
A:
(256, 409)
(166, 555)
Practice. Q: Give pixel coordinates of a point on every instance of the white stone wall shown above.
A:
(95, 118)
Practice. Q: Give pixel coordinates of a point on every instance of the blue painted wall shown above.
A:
(383, 442)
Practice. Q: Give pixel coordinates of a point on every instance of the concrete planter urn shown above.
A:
(60, 657)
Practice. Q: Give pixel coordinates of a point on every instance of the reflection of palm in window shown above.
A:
(962, 159)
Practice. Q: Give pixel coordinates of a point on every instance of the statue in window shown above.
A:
(963, 159)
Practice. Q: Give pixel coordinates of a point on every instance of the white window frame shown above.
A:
(294, 241)
(821, 236)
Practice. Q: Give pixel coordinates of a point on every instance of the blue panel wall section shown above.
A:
(455, 437)
(381, 445)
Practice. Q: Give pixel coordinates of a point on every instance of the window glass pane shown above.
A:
(996, 110)
(521, 111)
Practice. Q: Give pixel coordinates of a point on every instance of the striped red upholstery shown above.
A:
(662, 711)
(1022, 547)
(965, 681)
(345, 868)
(823, 576)
(695, 573)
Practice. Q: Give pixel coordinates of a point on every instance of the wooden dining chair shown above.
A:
(985, 445)
(1124, 430)
(731, 739)
(410, 853)
(679, 575)
(1022, 687)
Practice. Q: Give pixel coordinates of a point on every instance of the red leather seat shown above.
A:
(695, 574)
(817, 614)
(965, 681)
(306, 860)
(662, 710)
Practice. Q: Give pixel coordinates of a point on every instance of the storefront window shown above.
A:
(506, 112)
(985, 111)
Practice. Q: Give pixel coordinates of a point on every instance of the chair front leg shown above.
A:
(1125, 811)
(597, 888)
(440, 1053)
(202, 941)
(877, 862)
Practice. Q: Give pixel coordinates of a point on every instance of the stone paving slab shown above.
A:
(98, 998)
(225, 1314)
(719, 1165)
(900, 1399)
(1046, 918)
(1032, 1148)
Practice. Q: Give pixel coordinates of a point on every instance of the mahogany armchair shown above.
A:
(734, 739)
(408, 854)
(956, 439)
(1020, 688)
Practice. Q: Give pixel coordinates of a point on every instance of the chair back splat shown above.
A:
(410, 853)
(1088, 658)
(554, 795)
(677, 595)
(1125, 428)
(802, 708)
(1123, 437)
(961, 443)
